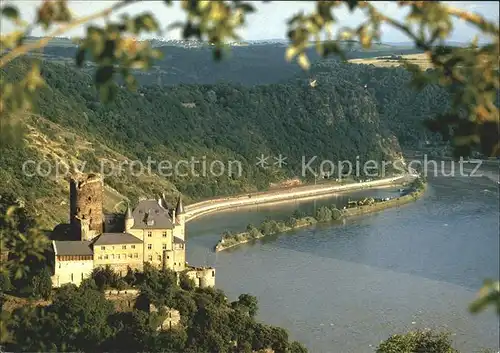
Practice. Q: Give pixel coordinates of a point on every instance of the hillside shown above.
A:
(217, 122)
(246, 65)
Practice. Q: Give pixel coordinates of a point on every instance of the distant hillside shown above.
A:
(224, 122)
(247, 65)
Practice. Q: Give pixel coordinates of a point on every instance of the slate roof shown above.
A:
(150, 215)
(117, 238)
(178, 240)
(72, 247)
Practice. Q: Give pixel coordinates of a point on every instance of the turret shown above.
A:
(129, 219)
(179, 210)
(179, 217)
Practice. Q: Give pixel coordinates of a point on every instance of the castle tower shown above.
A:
(129, 219)
(180, 217)
(86, 200)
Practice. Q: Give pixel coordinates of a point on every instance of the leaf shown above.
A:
(104, 74)
(10, 12)
(80, 57)
(291, 52)
(217, 54)
(303, 61)
(352, 4)
(246, 8)
(107, 92)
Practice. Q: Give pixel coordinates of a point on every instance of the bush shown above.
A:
(41, 284)
(291, 222)
(5, 283)
(336, 214)
(324, 214)
(418, 341)
(186, 283)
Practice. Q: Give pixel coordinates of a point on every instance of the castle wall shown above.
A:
(71, 271)
(156, 243)
(119, 257)
(179, 229)
(203, 277)
(86, 202)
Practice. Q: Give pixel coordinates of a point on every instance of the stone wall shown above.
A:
(86, 202)
(203, 277)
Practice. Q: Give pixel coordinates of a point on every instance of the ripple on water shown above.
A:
(346, 288)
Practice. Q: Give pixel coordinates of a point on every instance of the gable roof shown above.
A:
(71, 247)
(116, 238)
(150, 215)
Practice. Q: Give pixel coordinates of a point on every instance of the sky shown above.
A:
(269, 22)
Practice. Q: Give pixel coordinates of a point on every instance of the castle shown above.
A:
(151, 233)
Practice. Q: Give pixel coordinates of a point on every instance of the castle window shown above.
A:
(130, 256)
(105, 257)
(149, 234)
(150, 246)
(103, 248)
(168, 257)
(71, 277)
(136, 255)
(159, 257)
(124, 246)
(213, 273)
(100, 257)
(150, 257)
(113, 247)
(164, 234)
(113, 256)
(124, 256)
(132, 246)
(164, 246)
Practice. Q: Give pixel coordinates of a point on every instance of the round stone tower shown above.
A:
(86, 204)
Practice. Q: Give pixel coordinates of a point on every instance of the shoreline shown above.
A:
(284, 195)
(308, 221)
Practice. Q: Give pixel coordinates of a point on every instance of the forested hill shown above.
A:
(221, 122)
(401, 107)
(246, 65)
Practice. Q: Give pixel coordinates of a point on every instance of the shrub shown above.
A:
(324, 214)
(417, 341)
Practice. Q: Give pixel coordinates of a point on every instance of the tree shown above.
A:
(41, 284)
(185, 282)
(324, 214)
(247, 303)
(418, 341)
(470, 74)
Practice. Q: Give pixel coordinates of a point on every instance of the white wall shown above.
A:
(80, 270)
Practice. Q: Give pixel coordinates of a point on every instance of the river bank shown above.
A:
(294, 193)
(325, 215)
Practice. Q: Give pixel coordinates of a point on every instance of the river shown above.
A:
(346, 287)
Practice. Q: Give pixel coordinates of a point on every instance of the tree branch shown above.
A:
(25, 48)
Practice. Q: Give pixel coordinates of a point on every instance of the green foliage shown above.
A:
(20, 238)
(105, 277)
(41, 284)
(186, 283)
(81, 319)
(489, 295)
(269, 227)
(324, 214)
(419, 341)
(247, 303)
(5, 283)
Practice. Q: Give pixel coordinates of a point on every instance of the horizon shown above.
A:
(268, 23)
